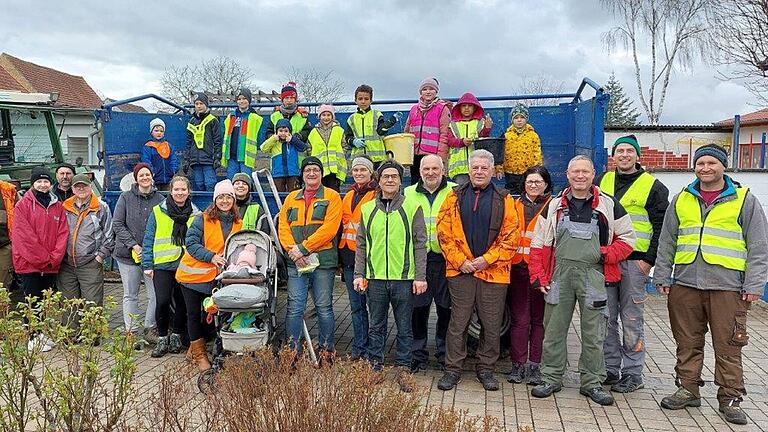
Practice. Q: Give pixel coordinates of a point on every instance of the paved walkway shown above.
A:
(569, 411)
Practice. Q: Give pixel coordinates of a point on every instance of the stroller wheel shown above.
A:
(206, 382)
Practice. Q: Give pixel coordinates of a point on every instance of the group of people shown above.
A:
(453, 238)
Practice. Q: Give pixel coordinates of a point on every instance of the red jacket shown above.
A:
(39, 235)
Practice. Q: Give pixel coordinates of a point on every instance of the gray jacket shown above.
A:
(90, 231)
(418, 239)
(130, 220)
(702, 275)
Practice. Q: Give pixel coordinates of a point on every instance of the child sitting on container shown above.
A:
(284, 148)
(522, 150)
(468, 123)
(326, 144)
(290, 110)
(158, 154)
(366, 127)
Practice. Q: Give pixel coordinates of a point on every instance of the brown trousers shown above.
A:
(467, 292)
(6, 267)
(286, 184)
(691, 311)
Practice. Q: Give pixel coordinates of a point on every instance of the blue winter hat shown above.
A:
(284, 123)
(713, 150)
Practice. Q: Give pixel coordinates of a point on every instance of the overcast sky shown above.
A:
(483, 46)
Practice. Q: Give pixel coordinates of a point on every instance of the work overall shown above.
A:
(578, 276)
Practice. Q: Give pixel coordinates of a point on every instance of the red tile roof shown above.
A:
(20, 75)
(126, 107)
(753, 118)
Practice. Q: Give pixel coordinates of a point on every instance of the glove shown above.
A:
(396, 117)
(358, 142)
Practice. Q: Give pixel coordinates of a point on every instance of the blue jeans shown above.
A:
(359, 315)
(203, 178)
(320, 284)
(382, 293)
(234, 167)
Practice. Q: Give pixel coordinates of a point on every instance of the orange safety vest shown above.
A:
(193, 271)
(8, 192)
(350, 218)
(526, 232)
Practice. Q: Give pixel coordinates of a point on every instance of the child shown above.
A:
(158, 154)
(326, 144)
(241, 130)
(290, 110)
(365, 127)
(522, 150)
(430, 121)
(284, 148)
(467, 125)
(203, 145)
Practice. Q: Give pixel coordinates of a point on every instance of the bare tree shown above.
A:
(217, 75)
(539, 85)
(740, 42)
(315, 85)
(668, 33)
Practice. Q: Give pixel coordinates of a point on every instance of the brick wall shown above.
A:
(654, 159)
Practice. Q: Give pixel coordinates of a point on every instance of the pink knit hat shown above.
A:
(431, 82)
(326, 107)
(223, 187)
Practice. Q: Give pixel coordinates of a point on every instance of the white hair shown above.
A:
(481, 154)
(581, 158)
(432, 156)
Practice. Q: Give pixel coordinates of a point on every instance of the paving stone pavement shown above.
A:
(567, 410)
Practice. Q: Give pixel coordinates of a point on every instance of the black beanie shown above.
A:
(245, 92)
(202, 97)
(40, 172)
(391, 163)
(311, 161)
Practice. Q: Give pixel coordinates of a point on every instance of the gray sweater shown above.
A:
(130, 220)
(702, 275)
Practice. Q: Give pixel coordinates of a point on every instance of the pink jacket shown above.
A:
(467, 98)
(432, 129)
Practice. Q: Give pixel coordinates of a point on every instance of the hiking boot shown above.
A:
(680, 399)
(161, 348)
(449, 380)
(418, 366)
(151, 335)
(405, 380)
(534, 374)
(611, 378)
(489, 382)
(174, 343)
(516, 374)
(598, 395)
(732, 412)
(544, 390)
(628, 384)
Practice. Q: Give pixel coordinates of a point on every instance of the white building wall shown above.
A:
(31, 138)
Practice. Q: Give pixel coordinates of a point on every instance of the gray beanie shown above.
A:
(156, 122)
(713, 150)
(364, 161)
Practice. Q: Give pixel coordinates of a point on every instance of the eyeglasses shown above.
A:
(390, 176)
(534, 182)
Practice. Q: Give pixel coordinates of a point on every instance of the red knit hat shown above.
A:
(138, 168)
(289, 90)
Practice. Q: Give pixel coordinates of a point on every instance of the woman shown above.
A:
(527, 304)
(362, 191)
(129, 224)
(250, 211)
(202, 261)
(39, 232)
(430, 121)
(163, 247)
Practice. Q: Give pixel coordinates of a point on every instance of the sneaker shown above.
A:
(628, 384)
(161, 348)
(544, 390)
(449, 380)
(174, 343)
(611, 378)
(516, 374)
(405, 380)
(598, 395)
(489, 382)
(38, 343)
(534, 374)
(48, 342)
(151, 335)
(732, 413)
(680, 399)
(418, 366)
(139, 343)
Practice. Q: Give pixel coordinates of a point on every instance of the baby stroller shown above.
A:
(245, 302)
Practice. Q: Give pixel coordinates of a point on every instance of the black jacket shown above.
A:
(656, 206)
(210, 154)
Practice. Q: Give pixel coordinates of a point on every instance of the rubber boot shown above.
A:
(199, 356)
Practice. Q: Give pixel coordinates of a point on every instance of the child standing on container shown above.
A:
(159, 155)
(241, 130)
(284, 148)
(289, 110)
(522, 150)
(326, 144)
(430, 121)
(366, 127)
(468, 123)
(203, 145)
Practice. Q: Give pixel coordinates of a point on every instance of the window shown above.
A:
(77, 147)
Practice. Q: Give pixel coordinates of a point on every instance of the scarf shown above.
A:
(43, 198)
(425, 106)
(325, 131)
(163, 148)
(180, 217)
(288, 110)
(361, 190)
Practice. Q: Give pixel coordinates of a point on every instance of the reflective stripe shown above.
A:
(352, 226)
(723, 251)
(639, 217)
(688, 231)
(643, 235)
(162, 241)
(430, 129)
(168, 253)
(193, 270)
(524, 250)
(687, 248)
(349, 237)
(717, 232)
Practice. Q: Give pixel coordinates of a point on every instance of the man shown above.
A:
(90, 242)
(646, 200)
(577, 246)
(390, 264)
(715, 237)
(251, 212)
(429, 194)
(478, 232)
(202, 157)
(8, 198)
(63, 186)
(241, 130)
